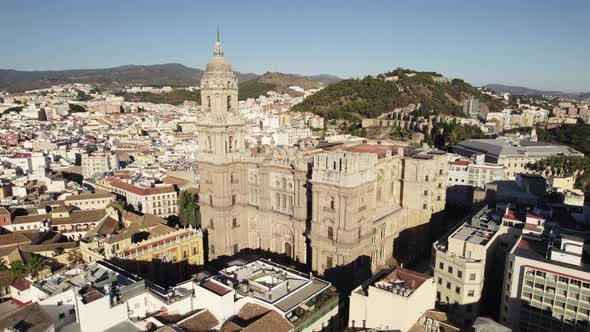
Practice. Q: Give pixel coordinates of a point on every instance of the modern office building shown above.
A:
(547, 285)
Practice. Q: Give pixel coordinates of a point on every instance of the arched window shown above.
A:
(229, 103)
(278, 200)
(233, 200)
(231, 141)
(211, 200)
(209, 142)
(284, 183)
(209, 101)
(330, 233)
(332, 203)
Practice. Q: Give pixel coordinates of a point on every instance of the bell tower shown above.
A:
(221, 133)
(221, 136)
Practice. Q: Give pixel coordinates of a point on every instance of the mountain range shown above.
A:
(521, 90)
(115, 78)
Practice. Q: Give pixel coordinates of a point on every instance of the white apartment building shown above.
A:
(29, 163)
(392, 300)
(546, 286)
(474, 172)
(463, 260)
(160, 200)
(96, 164)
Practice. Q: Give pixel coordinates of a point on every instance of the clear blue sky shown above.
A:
(536, 43)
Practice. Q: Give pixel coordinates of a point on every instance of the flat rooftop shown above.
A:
(515, 148)
(90, 277)
(474, 235)
(538, 250)
(273, 283)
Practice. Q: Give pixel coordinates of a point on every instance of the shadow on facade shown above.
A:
(249, 255)
(162, 273)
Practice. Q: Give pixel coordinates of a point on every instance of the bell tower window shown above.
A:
(229, 103)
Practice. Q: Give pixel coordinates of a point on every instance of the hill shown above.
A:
(172, 74)
(353, 99)
(278, 82)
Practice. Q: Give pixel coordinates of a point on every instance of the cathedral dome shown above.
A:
(218, 72)
(218, 64)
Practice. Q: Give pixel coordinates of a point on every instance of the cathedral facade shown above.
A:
(328, 206)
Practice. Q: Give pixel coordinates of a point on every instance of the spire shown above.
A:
(218, 49)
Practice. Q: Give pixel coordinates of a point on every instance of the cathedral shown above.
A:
(322, 207)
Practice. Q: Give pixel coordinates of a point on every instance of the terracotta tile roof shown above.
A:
(81, 217)
(215, 287)
(22, 284)
(534, 216)
(252, 310)
(511, 215)
(30, 218)
(10, 254)
(33, 316)
(270, 322)
(410, 277)
(459, 162)
(89, 196)
(35, 248)
(204, 320)
(13, 239)
(254, 317)
(367, 148)
(160, 229)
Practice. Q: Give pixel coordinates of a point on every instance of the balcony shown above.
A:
(314, 309)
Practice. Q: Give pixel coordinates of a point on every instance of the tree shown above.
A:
(16, 109)
(188, 209)
(120, 204)
(3, 266)
(17, 269)
(35, 265)
(75, 257)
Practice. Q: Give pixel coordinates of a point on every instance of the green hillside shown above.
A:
(371, 96)
(253, 89)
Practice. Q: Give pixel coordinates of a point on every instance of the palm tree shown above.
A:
(75, 257)
(17, 269)
(35, 265)
(3, 266)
